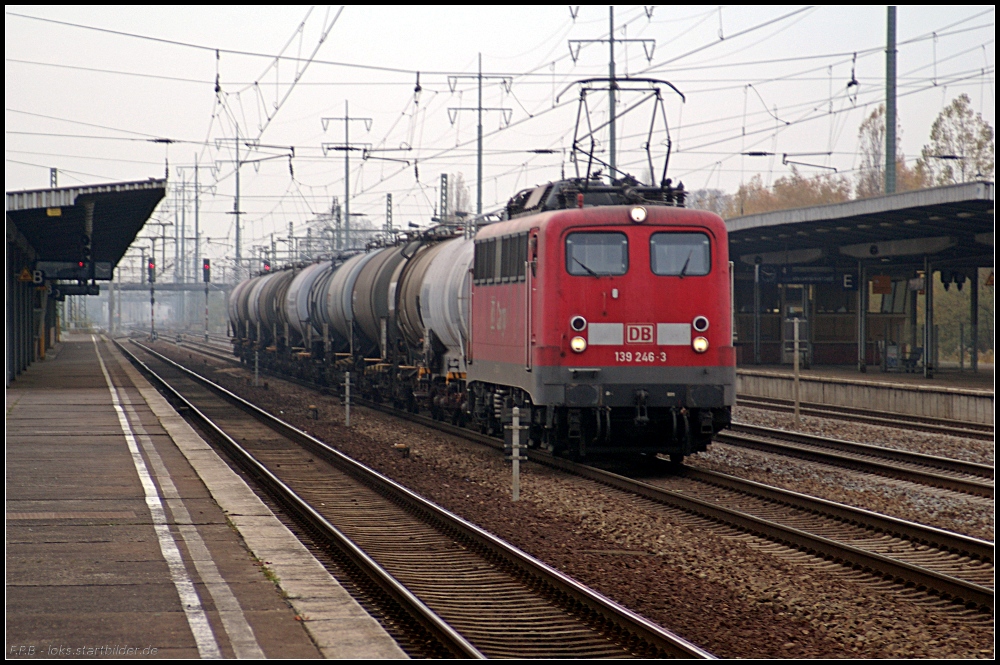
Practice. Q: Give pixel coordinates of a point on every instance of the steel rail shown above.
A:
(946, 463)
(969, 430)
(920, 533)
(837, 457)
(427, 617)
(899, 571)
(660, 639)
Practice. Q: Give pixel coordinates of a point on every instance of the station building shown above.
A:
(64, 241)
(855, 275)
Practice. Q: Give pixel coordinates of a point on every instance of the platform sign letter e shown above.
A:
(639, 333)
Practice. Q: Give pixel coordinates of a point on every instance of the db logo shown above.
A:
(639, 333)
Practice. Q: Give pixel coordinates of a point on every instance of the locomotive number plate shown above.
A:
(640, 357)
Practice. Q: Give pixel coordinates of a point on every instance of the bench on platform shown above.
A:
(911, 359)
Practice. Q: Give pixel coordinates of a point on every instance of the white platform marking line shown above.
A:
(241, 635)
(196, 618)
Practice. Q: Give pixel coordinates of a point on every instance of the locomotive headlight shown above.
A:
(638, 214)
(578, 344)
(700, 344)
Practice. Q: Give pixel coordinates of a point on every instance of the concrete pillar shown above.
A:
(928, 318)
(974, 318)
(39, 323)
(862, 317)
(756, 314)
(111, 309)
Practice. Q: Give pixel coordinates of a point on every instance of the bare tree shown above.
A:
(871, 173)
(871, 143)
(962, 146)
(713, 200)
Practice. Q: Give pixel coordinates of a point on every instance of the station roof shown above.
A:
(952, 224)
(53, 221)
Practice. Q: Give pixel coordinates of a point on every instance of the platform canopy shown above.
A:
(63, 225)
(953, 225)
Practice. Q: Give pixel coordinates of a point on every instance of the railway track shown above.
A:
(922, 424)
(951, 565)
(946, 564)
(475, 594)
(951, 474)
(942, 563)
(932, 471)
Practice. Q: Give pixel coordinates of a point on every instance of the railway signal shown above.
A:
(152, 271)
(267, 265)
(85, 249)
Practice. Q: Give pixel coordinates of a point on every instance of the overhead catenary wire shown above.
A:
(387, 175)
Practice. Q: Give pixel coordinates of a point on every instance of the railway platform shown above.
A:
(952, 393)
(127, 536)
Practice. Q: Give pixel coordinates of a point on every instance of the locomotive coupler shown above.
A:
(641, 412)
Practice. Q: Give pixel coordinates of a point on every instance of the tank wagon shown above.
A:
(602, 311)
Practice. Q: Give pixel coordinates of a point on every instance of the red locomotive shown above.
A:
(604, 312)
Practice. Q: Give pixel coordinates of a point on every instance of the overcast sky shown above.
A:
(90, 102)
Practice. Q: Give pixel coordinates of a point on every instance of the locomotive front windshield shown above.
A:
(597, 254)
(680, 254)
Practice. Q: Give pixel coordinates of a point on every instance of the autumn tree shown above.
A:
(791, 191)
(952, 318)
(962, 147)
(796, 191)
(871, 173)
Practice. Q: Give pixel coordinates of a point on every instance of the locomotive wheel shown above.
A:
(676, 459)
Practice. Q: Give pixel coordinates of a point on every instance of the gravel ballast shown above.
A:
(730, 593)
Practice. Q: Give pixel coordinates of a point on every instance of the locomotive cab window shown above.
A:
(680, 254)
(597, 254)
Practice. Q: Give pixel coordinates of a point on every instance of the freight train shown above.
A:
(602, 310)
